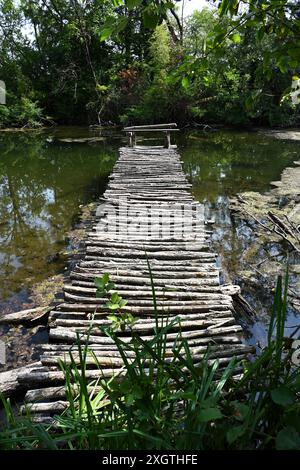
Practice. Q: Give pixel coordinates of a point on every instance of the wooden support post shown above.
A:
(168, 140)
(130, 138)
(166, 129)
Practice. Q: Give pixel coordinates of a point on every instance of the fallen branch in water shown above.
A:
(283, 230)
(25, 316)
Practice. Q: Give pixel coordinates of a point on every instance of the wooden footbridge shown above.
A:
(146, 189)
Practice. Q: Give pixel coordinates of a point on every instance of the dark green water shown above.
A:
(220, 165)
(43, 181)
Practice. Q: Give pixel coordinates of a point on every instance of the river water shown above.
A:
(45, 177)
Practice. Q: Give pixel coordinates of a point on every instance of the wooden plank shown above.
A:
(150, 126)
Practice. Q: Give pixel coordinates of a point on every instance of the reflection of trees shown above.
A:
(228, 162)
(41, 187)
(223, 164)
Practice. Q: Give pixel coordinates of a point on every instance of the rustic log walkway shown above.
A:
(145, 180)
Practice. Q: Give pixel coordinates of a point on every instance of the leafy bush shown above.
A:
(21, 113)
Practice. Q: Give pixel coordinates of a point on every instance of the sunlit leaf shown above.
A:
(236, 38)
(185, 82)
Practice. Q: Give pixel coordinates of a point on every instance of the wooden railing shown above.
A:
(165, 128)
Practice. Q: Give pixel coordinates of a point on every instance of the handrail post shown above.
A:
(130, 138)
(168, 139)
(165, 129)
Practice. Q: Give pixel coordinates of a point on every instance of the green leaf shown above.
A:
(185, 82)
(209, 414)
(110, 286)
(260, 33)
(219, 38)
(100, 293)
(133, 4)
(112, 306)
(98, 281)
(241, 411)
(292, 418)
(121, 24)
(234, 433)
(282, 396)
(105, 33)
(113, 25)
(150, 18)
(107, 28)
(288, 439)
(112, 318)
(236, 38)
(115, 297)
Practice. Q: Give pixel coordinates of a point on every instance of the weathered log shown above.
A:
(45, 394)
(9, 380)
(115, 360)
(193, 340)
(25, 316)
(146, 246)
(146, 325)
(136, 286)
(51, 407)
(57, 314)
(70, 335)
(141, 293)
(146, 308)
(140, 268)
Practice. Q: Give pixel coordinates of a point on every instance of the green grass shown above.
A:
(166, 402)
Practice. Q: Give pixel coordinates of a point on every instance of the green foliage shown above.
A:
(136, 62)
(115, 303)
(104, 285)
(22, 113)
(271, 18)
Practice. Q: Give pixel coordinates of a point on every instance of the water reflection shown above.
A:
(221, 165)
(42, 184)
